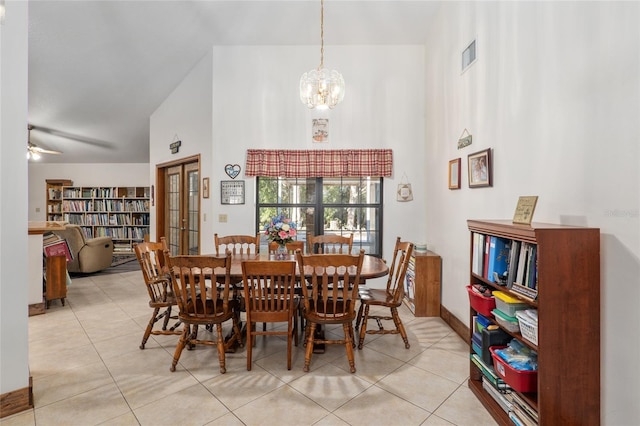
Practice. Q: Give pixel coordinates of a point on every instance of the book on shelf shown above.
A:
(518, 401)
(478, 254)
(522, 263)
(489, 373)
(485, 256)
(514, 255)
(501, 397)
(525, 292)
(498, 261)
(521, 416)
(532, 268)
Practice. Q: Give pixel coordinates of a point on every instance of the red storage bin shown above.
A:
(480, 303)
(519, 380)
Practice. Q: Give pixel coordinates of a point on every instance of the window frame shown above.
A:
(319, 205)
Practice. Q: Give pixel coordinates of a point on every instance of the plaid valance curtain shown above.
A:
(319, 163)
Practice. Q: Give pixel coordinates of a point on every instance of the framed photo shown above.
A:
(205, 187)
(231, 192)
(480, 168)
(454, 174)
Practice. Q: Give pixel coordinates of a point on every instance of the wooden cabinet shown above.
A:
(568, 304)
(56, 279)
(119, 212)
(422, 284)
(54, 198)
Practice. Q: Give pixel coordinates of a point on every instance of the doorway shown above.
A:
(178, 205)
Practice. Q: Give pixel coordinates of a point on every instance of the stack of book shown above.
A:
(488, 373)
(53, 245)
(521, 413)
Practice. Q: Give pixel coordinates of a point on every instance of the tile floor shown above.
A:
(88, 370)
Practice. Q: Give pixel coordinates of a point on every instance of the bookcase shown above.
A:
(568, 304)
(422, 284)
(119, 212)
(54, 198)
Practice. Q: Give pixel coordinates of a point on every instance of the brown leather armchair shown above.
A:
(89, 255)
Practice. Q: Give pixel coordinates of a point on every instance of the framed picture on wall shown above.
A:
(320, 130)
(205, 187)
(232, 192)
(479, 164)
(454, 174)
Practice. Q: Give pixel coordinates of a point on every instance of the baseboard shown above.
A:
(37, 309)
(458, 326)
(16, 401)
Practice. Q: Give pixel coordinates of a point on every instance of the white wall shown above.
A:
(186, 115)
(99, 174)
(255, 104)
(14, 344)
(555, 93)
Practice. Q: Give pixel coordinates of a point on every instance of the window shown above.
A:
(325, 206)
(469, 55)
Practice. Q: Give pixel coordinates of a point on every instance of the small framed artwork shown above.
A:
(524, 210)
(320, 130)
(231, 192)
(479, 164)
(454, 174)
(205, 187)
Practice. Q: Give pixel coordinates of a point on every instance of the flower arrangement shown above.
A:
(281, 230)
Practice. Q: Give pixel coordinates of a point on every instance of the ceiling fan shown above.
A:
(33, 150)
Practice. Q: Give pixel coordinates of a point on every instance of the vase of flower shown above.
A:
(281, 230)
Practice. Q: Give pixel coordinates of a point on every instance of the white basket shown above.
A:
(528, 328)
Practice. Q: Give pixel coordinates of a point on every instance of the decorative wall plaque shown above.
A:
(232, 192)
(524, 210)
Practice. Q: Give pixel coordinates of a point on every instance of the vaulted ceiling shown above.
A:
(98, 69)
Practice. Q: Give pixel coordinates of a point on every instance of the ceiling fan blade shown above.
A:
(45, 151)
(61, 134)
(37, 150)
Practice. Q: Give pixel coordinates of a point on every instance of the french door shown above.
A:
(179, 205)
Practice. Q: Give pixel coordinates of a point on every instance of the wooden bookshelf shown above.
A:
(119, 212)
(568, 303)
(422, 284)
(54, 198)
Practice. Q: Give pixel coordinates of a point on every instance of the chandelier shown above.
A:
(321, 88)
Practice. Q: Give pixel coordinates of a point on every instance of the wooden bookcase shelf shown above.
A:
(568, 303)
(119, 212)
(54, 198)
(422, 284)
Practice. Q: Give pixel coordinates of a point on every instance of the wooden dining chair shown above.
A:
(156, 277)
(330, 244)
(237, 244)
(330, 298)
(269, 295)
(203, 303)
(389, 297)
(292, 247)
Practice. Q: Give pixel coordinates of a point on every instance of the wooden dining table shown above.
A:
(372, 267)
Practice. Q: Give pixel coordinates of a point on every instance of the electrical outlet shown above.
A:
(204, 217)
(222, 218)
(37, 209)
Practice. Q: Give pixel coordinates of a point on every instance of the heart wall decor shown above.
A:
(232, 170)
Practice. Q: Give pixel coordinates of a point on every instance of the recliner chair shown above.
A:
(89, 255)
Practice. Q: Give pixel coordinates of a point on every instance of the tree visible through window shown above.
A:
(340, 206)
